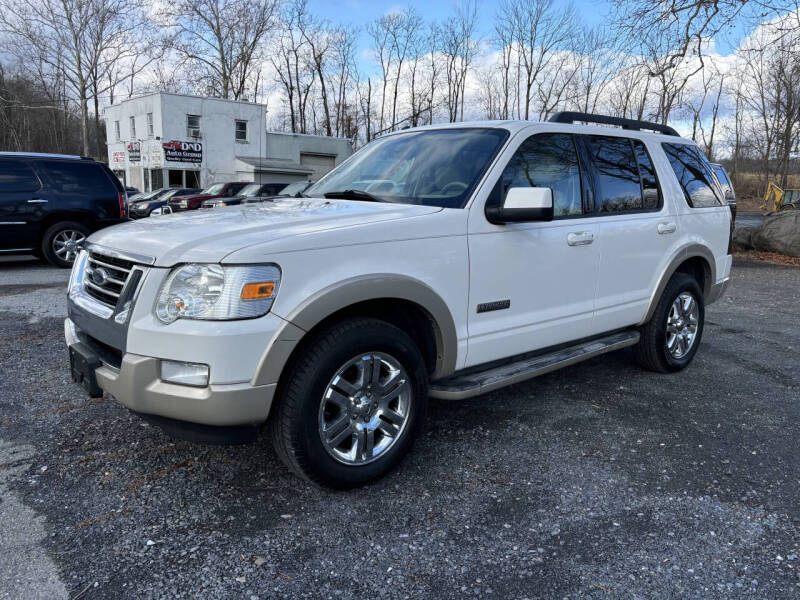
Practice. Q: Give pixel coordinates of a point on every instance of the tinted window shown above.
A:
(79, 176)
(435, 167)
(16, 176)
(548, 160)
(719, 171)
(694, 174)
(650, 190)
(616, 174)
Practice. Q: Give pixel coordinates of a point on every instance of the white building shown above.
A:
(175, 140)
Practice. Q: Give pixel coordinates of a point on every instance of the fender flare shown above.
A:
(352, 291)
(684, 254)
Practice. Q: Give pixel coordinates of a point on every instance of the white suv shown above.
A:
(445, 261)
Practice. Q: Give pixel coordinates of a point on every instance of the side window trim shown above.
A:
(655, 175)
(497, 195)
(593, 181)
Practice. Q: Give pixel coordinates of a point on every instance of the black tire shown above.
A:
(651, 351)
(49, 239)
(294, 420)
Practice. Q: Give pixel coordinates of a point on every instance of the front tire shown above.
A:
(61, 243)
(670, 339)
(352, 404)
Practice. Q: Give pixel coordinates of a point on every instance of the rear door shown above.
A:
(22, 204)
(83, 186)
(637, 230)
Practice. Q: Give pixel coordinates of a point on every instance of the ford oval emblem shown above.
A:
(99, 276)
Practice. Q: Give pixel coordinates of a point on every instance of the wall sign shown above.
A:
(186, 152)
(134, 152)
(118, 157)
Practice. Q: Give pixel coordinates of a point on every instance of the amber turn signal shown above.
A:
(258, 291)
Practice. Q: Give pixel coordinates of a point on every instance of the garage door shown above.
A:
(321, 163)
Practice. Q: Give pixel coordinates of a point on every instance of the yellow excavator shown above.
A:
(781, 199)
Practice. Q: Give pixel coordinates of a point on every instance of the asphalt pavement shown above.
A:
(600, 481)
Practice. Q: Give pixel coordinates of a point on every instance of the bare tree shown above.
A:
(459, 48)
(223, 37)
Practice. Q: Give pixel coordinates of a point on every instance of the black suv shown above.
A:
(50, 203)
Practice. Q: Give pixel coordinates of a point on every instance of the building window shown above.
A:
(241, 131)
(149, 124)
(133, 127)
(193, 126)
(116, 130)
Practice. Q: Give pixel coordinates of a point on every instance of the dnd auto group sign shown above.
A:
(134, 152)
(186, 152)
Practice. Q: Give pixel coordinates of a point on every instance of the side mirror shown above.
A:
(523, 204)
(729, 197)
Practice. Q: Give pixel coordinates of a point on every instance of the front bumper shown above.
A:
(136, 384)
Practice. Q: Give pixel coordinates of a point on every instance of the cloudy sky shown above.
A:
(362, 12)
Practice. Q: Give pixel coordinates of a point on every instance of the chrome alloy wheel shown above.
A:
(365, 408)
(682, 323)
(67, 244)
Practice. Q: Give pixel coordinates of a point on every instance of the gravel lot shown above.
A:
(600, 481)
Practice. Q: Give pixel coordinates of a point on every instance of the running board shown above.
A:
(459, 387)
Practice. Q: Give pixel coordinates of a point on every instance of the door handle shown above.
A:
(580, 238)
(664, 228)
(37, 201)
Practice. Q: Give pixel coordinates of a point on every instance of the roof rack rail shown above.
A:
(630, 124)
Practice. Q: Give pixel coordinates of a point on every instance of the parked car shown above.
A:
(145, 206)
(131, 191)
(251, 192)
(293, 190)
(296, 189)
(730, 194)
(50, 203)
(217, 190)
(484, 255)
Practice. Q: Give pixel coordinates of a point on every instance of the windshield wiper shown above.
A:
(355, 195)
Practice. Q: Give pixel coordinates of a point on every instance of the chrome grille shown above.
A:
(105, 277)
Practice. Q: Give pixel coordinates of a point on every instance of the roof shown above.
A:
(42, 155)
(275, 165)
(515, 126)
(214, 98)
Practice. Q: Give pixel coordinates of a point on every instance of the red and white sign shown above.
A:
(118, 157)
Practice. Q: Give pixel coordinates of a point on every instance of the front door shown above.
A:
(533, 285)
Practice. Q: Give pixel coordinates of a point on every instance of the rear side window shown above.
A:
(721, 175)
(72, 177)
(616, 174)
(694, 174)
(17, 176)
(548, 160)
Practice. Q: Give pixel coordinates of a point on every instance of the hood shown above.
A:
(209, 236)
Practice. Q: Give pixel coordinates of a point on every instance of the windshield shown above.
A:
(294, 188)
(149, 195)
(435, 167)
(170, 194)
(214, 189)
(250, 190)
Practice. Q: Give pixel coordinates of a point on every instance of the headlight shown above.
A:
(143, 205)
(217, 293)
(77, 270)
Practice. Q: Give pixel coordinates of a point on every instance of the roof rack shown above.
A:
(630, 124)
(43, 155)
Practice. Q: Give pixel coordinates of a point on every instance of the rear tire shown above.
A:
(670, 339)
(61, 243)
(352, 404)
